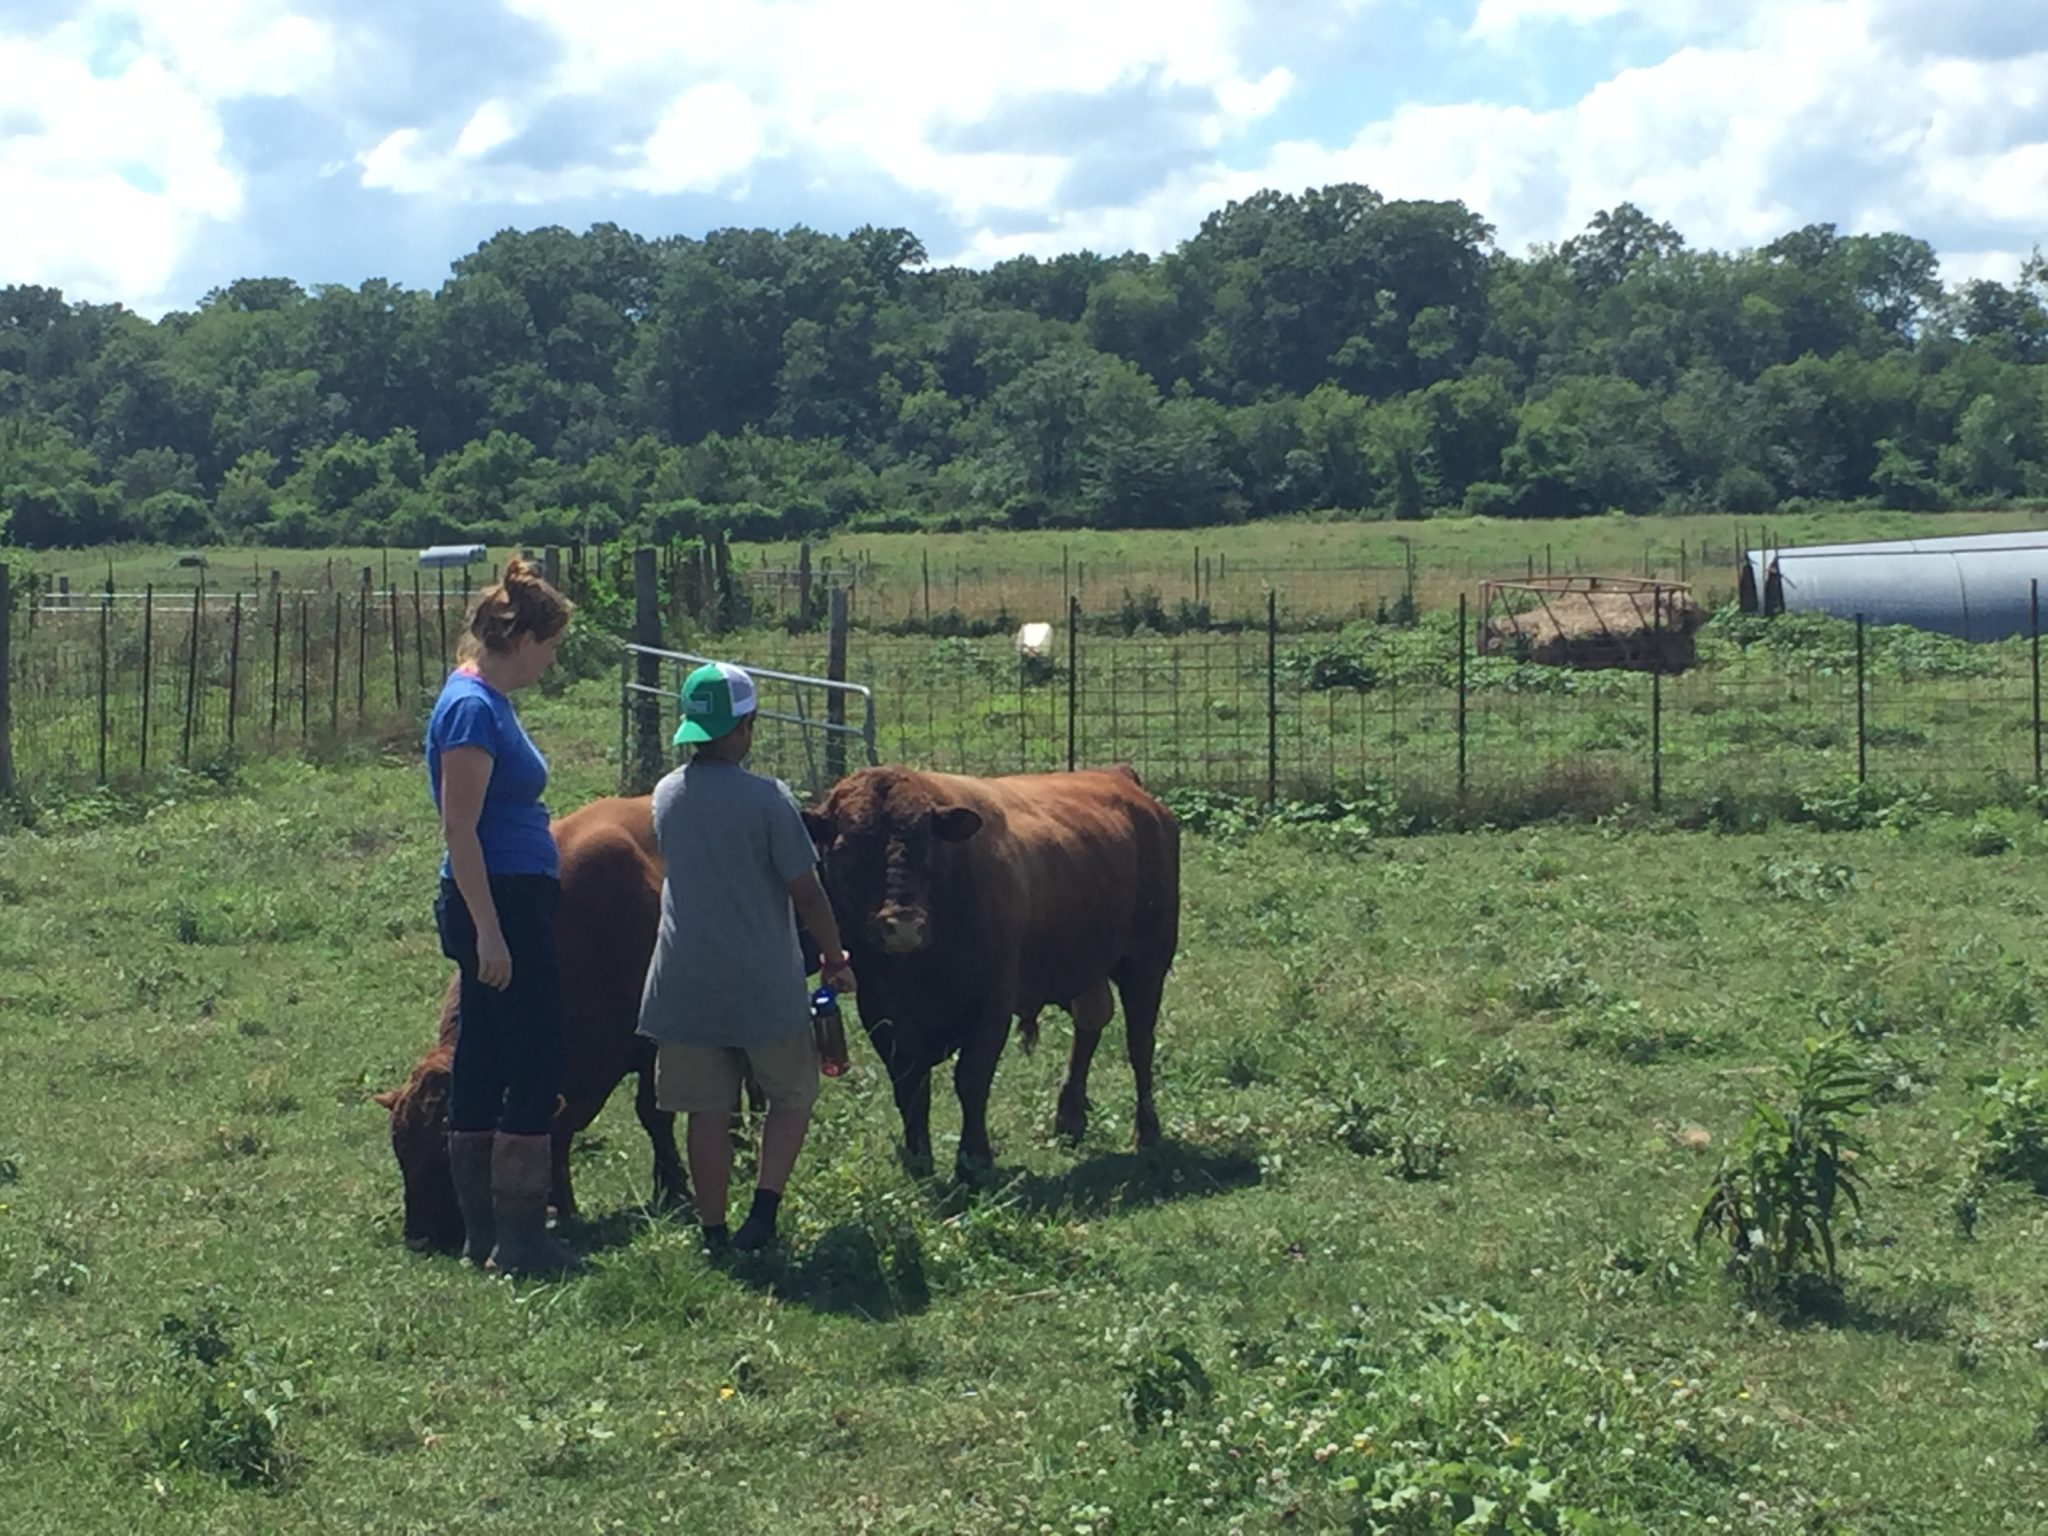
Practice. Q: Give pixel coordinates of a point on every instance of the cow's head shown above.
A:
(876, 832)
(419, 1140)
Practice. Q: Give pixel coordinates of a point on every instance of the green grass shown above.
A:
(1327, 567)
(1440, 1111)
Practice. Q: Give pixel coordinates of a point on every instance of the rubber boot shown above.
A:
(521, 1173)
(469, 1161)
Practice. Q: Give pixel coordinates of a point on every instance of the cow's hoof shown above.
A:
(1148, 1134)
(973, 1173)
(1070, 1128)
(917, 1164)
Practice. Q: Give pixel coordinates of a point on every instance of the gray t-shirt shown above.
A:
(726, 969)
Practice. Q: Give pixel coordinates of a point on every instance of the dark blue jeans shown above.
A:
(509, 1058)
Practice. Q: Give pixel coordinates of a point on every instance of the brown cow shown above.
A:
(611, 905)
(968, 901)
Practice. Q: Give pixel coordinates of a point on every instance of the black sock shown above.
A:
(716, 1235)
(767, 1204)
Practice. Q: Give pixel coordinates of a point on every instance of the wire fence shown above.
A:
(121, 686)
(115, 686)
(1200, 591)
(1416, 719)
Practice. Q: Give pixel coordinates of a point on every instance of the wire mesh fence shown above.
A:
(1427, 724)
(115, 686)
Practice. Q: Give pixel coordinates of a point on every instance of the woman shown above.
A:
(496, 914)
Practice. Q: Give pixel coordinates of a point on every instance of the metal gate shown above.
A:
(810, 726)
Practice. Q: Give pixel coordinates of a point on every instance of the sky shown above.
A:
(151, 150)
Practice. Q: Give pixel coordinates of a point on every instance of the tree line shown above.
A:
(1335, 350)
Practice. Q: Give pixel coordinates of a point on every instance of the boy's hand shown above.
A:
(837, 974)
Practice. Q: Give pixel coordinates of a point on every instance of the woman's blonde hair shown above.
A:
(521, 602)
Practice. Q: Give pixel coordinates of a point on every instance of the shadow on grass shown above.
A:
(1918, 1314)
(846, 1273)
(1124, 1181)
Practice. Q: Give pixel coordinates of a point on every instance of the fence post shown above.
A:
(1862, 691)
(2034, 608)
(1656, 696)
(647, 755)
(148, 666)
(305, 667)
(441, 612)
(106, 604)
(397, 654)
(1073, 676)
(6, 677)
(191, 678)
(419, 636)
(276, 652)
(803, 583)
(927, 589)
(1272, 695)
(551, 566)
(234, 665)
(835, 700)
(363, 644)
(1464, 640)
(334, 679)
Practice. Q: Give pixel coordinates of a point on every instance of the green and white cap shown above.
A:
(716, 698)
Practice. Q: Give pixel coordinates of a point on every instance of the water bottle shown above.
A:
(828, 1031)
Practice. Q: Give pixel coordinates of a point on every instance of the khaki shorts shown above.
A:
(706, 1079)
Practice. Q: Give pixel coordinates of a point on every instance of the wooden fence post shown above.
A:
(1073, 677)
(419, 634)
(835, 699)
(6, 677)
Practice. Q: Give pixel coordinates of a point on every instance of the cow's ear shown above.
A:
(955, 823)
(819, 825)
(388, 1098)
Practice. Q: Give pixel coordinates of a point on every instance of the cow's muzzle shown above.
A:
(900, 930)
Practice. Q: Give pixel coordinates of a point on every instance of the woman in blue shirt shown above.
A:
(496, 915)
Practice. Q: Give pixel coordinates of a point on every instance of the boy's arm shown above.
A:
(814, 911)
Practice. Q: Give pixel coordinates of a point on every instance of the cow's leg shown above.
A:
(1141, 996)
(561, 1195)
(913, 1087)
(671, 1184)
(1091, 1012)
(973, 1075)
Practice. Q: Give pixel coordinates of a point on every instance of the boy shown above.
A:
(726, 987)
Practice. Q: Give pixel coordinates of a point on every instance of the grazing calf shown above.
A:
(967, 902)
(611, 904)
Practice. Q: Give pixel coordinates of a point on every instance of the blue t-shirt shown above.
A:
(513, 824)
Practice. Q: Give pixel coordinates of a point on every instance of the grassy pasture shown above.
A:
(1440, 1114)
(1324, 564)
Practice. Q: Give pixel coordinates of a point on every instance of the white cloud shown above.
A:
(753, 81)
(709, 135)
(118, 156)
(488, 127)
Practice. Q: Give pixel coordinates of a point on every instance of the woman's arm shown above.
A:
(465, 775)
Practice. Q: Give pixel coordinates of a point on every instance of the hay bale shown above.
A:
(1592, 629)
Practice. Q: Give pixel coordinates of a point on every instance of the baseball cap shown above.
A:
(716, 697)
